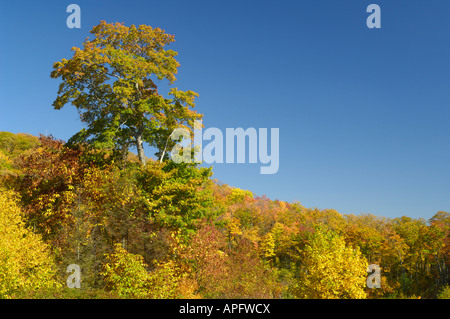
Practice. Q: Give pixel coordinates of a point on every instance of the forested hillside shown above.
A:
(142, 227)
(170, 231)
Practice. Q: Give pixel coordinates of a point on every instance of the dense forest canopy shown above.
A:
(171, 231)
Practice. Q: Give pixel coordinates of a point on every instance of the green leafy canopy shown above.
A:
(112, 83)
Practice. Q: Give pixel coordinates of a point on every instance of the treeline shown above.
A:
(167, 230)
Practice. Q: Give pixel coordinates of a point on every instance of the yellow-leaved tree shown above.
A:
(330, 269)
(126, 274)
(26, 264)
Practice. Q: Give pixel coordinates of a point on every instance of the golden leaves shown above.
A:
(25, 261)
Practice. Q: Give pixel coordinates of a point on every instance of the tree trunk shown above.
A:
(140, 149)
(124, 154)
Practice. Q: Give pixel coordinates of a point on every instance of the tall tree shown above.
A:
(112, 83)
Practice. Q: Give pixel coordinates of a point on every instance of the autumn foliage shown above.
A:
(151, 228)
(168, 230)
(26, 262)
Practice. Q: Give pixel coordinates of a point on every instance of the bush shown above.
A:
(126, 274)
(25, 260)
(444, 293)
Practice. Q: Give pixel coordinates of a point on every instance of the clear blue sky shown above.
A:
(363, 114)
